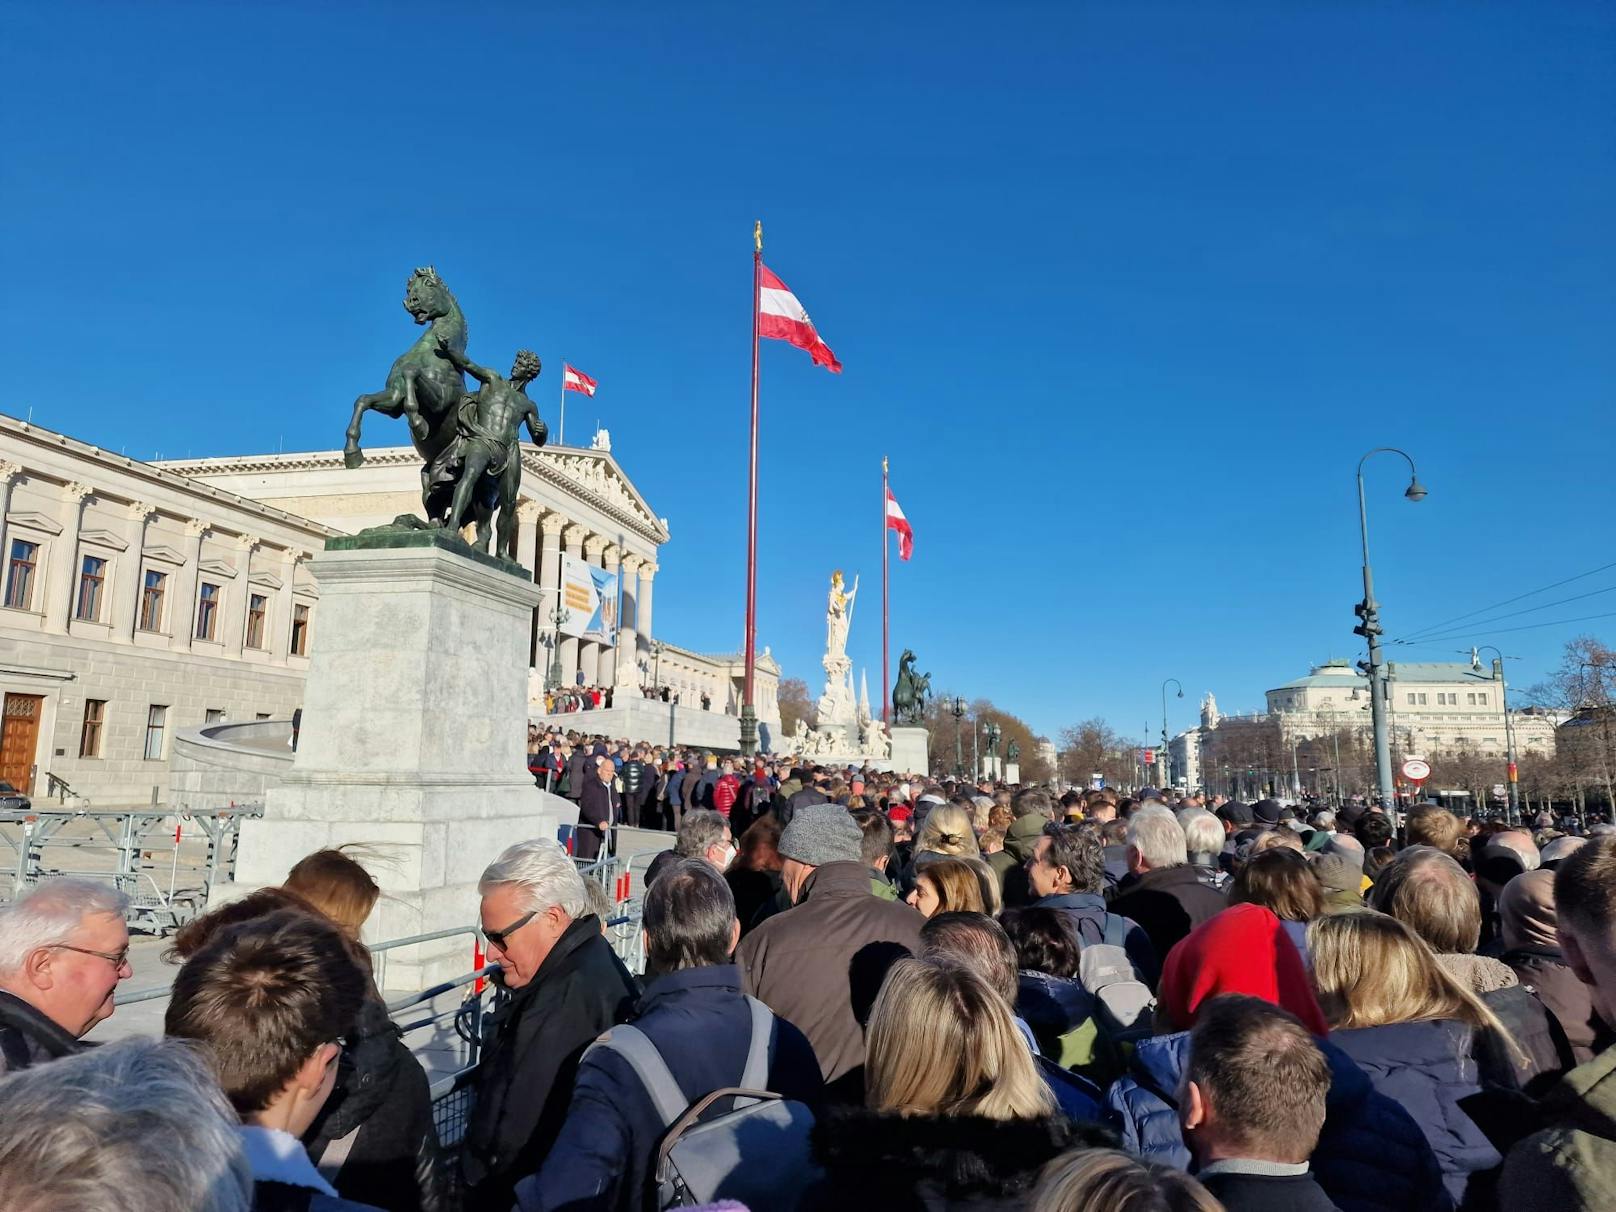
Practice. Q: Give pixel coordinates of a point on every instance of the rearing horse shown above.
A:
(421, 386)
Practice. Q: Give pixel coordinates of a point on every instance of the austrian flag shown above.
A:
(576, 380)
(896, 521)
(782, 318)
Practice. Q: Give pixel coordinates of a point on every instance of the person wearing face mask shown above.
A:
(703, 834)
(63, 950)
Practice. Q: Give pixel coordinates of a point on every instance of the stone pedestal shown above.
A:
(1012, 772)
(413, 737)
(910, 754)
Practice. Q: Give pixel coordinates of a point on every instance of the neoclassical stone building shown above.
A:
(135, 602)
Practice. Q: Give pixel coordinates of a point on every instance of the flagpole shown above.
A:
(886, 612)
(749, 721)
(561, 438)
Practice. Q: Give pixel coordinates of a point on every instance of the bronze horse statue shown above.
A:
(425, 389)
(909, 695)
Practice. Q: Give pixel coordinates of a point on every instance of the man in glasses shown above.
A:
(567, 987)
(63, 949)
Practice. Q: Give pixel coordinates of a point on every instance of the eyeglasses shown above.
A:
(119, 960)
(496, 938)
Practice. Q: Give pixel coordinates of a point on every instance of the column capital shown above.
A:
(648, 570)
(575, 534)
(77, 492)
(9, 471)
(611, 555)
(196, 528)
(632, 562)
(248, 543)
(594, 545)
(139, 511)
(528, 510)
(552, 523)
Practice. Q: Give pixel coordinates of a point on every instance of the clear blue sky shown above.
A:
(1124, 290)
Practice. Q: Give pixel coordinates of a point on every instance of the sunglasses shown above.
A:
(496, 938)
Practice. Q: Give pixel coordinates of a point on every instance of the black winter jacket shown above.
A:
(526, 1074)
(28, 1038)
(935, 1164)
(1545, 973)
(383, 1095)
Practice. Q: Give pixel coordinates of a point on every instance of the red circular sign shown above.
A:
(1416, 770)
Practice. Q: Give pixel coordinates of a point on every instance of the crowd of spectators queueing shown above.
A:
(1344, 1012)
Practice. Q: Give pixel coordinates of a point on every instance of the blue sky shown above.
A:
(1124, 291)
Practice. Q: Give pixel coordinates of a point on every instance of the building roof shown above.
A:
(1436, 671)
(1349, 681)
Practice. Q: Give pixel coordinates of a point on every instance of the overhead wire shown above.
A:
(1418, 638)
(1468, 631)
(1421, 632)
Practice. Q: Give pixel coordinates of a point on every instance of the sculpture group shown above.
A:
(468, 441)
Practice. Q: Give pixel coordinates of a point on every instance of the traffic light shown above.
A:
(1368, 620)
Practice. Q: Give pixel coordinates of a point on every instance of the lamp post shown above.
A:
(558, 616)
(1513, 784)
(1164, 685)
(1368, 612)
(956, 708)
(656, 675)
(991, 731)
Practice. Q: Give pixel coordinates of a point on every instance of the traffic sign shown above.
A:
(1416, 770)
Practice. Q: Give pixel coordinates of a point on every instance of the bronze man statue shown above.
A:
(490, 422)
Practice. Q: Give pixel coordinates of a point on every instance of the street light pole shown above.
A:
(1368, 612)
(957, 709)
(1513, 784)
(1180, 685)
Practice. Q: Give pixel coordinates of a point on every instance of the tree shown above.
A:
(1092, 747)
(794, 703)
(940, 724)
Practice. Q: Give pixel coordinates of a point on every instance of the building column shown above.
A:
(62, 574)
(128, 573)
(642, 606)
(573, 536)
(184, 603)
(234, 607)
(589, 651)
(628, 645)
(527, 555)
(549, 569)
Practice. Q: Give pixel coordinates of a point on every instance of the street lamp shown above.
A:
(1513, 784)
(656, 676)
(1164, 685)
(1368, 612)
(956, 708)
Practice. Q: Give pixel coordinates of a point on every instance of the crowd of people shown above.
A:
(863, 990)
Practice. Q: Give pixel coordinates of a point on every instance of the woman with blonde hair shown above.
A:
(955, 1115)
(946, 886)
(1109, 1180)
(337, 885)
(1424, 1039)
(947, 832)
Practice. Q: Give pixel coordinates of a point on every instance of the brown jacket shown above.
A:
(820, 964)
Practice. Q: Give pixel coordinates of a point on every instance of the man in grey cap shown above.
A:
(820, 964)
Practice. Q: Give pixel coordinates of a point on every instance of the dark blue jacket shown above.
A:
(1429, 1068)
(1087, 913)
(699, 1021)
(1370, 1157)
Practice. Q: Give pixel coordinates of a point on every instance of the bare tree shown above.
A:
(794, 704)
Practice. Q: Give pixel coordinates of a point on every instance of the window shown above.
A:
(213, 715)
(151, 600)
(1422, 700)
(300, 630)
(20, 575)
(257, 607)
(261, 715)
(92, 577)
(1481, 698)
(1411, 699)
(207, 611)
(156, 722)
(95, 711)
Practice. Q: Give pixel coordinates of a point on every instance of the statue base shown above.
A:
(412, 738)
(911, 752)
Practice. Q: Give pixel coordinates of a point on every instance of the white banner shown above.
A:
(589, 599)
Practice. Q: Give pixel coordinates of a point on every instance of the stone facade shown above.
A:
(137, 603)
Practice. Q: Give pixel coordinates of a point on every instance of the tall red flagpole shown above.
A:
(749, 728)
(886, 630)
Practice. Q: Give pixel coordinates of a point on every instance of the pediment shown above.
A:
(218, 567)
(104, 538)
(267, 580)
(30, 519)
(594, 476)
(165, 554)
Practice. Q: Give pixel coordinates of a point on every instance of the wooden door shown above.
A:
(18, 739)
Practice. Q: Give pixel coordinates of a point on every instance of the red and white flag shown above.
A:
(896, 521)
(576, 380)
(784, 319)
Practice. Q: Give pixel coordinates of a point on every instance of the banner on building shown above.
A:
(589, 601)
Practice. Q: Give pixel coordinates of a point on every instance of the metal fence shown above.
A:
(137, 850)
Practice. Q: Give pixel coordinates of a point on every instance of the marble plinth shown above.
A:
(413, 739)
(910, 750)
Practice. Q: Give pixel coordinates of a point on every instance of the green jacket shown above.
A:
(1020, 840)
(1571, 1164)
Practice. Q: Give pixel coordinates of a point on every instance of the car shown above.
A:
(12, 800)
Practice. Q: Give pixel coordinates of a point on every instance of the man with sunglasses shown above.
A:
(63, 949)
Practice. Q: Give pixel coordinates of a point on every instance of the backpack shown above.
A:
(757, 1153)
(1123, 1003)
